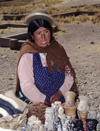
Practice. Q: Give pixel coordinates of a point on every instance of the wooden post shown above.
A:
(13, 44)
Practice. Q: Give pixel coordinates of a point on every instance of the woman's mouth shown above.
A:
(44, 42)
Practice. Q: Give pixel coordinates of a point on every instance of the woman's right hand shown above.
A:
(46, 103)
(56, 96)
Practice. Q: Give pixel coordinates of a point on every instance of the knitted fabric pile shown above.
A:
(38, 110)
(13, 112)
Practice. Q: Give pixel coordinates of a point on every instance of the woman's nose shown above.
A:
(43, 35)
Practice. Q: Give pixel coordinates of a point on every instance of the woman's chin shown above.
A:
(44, 45)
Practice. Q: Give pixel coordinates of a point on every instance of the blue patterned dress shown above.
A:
(48, 83)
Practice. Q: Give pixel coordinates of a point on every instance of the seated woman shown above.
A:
(44, 72)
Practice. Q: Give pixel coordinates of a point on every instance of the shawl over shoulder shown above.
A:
(55, 53)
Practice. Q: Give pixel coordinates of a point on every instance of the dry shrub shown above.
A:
(0, 22)
(63, 19)
(96, 18)
(73, 18)
(94, 21)
(1, 31)
(83, 18)
(16, 22)
(57, 34)
(51, 1)
(78, 19)
(57, 24)
(91, 8)
(77, 8)
(8, 21)
(53, 11)
(57, 19)
(69, 9)
(1, 19)
(67, 20)
(62, 30)
(14, 18)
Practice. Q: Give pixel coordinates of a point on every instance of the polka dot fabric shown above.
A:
(48, 83)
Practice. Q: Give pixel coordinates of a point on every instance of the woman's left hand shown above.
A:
(56, 96)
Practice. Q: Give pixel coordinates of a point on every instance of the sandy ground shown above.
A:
(77, 2)
(82, 44)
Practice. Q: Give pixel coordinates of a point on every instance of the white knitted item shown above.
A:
(21, 103)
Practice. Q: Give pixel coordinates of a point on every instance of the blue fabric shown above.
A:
(48, 83)
(10, 112)
(8, 106)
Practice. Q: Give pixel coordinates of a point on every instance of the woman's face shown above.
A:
(42, 37)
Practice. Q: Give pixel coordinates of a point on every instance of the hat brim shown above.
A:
(30, 17)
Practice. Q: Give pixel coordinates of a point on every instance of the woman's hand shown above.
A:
(46, 103)
(56, 96)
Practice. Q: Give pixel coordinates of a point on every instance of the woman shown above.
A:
(44, 72)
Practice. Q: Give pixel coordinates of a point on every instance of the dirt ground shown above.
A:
(82, 44)
(77, 2)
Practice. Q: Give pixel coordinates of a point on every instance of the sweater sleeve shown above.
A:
(25, 74)
(68, 82)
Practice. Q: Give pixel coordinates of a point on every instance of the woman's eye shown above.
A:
(38, 33)
(46, 31)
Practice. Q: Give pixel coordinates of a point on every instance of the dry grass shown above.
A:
(9, 30)
(96, 18)
(22, 7)
(60, 31)
(79, 19)
(14, 2)
(15, 7)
